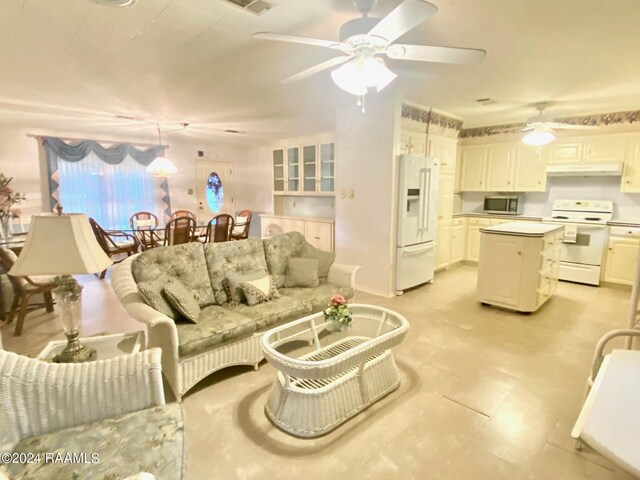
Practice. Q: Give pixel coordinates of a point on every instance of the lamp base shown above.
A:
(75, 352)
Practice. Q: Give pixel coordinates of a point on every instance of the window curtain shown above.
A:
(107, 183)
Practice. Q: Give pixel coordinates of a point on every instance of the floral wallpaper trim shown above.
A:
(430, 117)
(597, 120)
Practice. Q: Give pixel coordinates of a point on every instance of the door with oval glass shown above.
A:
(214, 189)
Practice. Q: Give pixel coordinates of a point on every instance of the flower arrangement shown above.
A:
(9, 198)
(338, 311)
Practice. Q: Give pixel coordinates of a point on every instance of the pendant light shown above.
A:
(161, 166)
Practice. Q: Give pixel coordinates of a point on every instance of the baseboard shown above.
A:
(374, 292)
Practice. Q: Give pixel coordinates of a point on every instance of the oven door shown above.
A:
(589, 246)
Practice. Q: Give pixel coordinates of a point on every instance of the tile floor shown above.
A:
(485, 393)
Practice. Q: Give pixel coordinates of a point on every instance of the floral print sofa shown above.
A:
(226, 333)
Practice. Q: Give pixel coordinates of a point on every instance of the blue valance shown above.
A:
(112, 155)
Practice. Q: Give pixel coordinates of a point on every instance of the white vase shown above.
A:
(5, 228)
(336, 326)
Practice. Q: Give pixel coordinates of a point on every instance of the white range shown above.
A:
(585, 237)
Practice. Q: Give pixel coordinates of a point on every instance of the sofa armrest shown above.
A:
(343, 274)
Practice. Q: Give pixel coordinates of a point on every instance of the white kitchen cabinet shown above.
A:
(278, 170)
(443, 244)
(530, 171)
(306, 169)
(413, 142)
(473, 237)
(499, 169)
(293, 169)
(622, 255)
(445, 197)
(458, 240)
(309, 168)
(270, 226)
(631, 170)
(519, 265)
(605, 149)
(319, 234)
(293, 225)
(473, 163)
(445, 150)
(565, 152)
(326, 168)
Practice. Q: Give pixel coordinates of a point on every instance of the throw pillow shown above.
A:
(301, 272)
(325, 259)
(152, 292)
(182, 299)
(234, 279)
(259, 291)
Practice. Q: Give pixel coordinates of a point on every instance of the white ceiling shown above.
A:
(75, 65)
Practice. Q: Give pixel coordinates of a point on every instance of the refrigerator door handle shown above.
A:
(423, 174)
(424, 247)
(427, 210)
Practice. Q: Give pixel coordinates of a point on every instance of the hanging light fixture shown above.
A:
(363, 72)
(161, 166)
(540, 136)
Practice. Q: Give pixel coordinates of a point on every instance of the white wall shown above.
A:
(365, 224)
(20, 157)
(539, 204)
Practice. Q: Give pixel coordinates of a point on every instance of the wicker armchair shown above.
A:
(24, 289)
(113, 408)
(114, 242)
(240, 230)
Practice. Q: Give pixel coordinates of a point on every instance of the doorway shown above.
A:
(214, 189)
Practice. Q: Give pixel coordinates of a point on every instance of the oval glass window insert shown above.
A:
(215, 192)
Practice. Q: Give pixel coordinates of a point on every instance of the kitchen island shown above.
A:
(518, 265)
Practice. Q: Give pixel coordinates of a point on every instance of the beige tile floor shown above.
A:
(485, 393)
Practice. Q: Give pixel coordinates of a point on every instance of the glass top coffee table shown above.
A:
(338, 375)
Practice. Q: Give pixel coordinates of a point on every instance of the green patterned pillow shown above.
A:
(325, 259)
(183, 299)
(234, 279)
(152, 292)
(260, 290)
(302, 272)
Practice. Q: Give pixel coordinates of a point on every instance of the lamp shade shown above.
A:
(60, 245)
(161, 167)
(539, 137)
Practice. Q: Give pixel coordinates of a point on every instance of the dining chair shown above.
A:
(240, 229)
(182, 213)
(24, 288)
(179, 230)
(143, 225)
(219, 228)
(114, 242)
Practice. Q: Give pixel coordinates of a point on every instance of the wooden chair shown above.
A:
(114, 242)
(179, 230)
(23, 289)
(240, 230)
(182, 213)
(144, 226)
(219, 228)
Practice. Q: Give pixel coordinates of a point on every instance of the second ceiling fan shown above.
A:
(364, 40)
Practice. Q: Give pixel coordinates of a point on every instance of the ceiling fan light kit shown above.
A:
(539, 137)
(364, 39)
(541, 128)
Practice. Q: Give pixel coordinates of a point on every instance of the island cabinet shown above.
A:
(519, 264)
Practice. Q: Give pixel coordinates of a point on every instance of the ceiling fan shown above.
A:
(365, 39)
(541, 127)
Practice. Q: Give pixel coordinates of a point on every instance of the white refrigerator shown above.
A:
(417, 219)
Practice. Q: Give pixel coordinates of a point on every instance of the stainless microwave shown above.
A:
(503, 204)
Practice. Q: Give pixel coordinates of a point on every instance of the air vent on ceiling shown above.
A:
(238, 132)
(254, 6)
(486, 101)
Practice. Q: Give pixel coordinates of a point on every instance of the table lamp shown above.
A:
(63, 245)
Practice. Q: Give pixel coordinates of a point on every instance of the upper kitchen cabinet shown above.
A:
(444, 149)
(499, 171)
(308, 169)
(530, 174)
(473, 163)
(588, 150)
(413, 142)
(631, 169)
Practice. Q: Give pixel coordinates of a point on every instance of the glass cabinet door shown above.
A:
(309, 168)
(278, 170)
(293, 169)
(327, 167)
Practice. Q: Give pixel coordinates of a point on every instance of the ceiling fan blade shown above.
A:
(403, 18)
(317, 68)
(425, 53)
(303, 40)
(569, 126)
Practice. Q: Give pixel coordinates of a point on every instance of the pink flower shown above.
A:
(6, 190)
(338, 300)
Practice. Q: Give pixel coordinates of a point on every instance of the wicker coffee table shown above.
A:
(341, 374)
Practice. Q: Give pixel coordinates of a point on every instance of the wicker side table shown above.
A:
(343, 374)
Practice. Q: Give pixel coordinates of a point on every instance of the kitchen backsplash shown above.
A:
(626, 206)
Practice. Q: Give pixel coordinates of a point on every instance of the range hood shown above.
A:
(582, 170)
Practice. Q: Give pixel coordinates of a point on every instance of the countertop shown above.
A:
(613, 223)
(523, 229)
(292, 217)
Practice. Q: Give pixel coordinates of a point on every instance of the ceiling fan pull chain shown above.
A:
(359, 101)
(363, 110)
